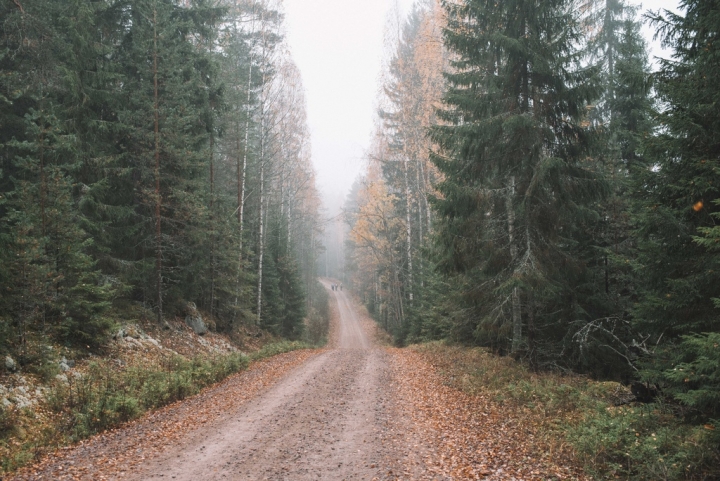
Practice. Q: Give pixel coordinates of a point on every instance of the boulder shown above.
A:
(194, 319)
(10, 364)
(65, 365)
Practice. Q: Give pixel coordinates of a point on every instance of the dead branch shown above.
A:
(19, 6)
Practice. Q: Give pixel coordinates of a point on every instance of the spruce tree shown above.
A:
(54, 286)
(622, 119)
(517, 187)
(164, 124)
(678, 201)
(679, 190)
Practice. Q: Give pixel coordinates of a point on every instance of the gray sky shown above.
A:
(338, 47)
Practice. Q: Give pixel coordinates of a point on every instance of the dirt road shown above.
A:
(320, 415)
(352, 411)
(318, 422)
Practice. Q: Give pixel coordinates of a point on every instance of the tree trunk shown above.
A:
(241, 176)
(261, 247)
(516, 309)
(421, 193)
(531, 329)
(158, 197)
(213, 240)
(408, 228)
(423, 183)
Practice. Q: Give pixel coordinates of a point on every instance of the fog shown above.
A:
(338, 47)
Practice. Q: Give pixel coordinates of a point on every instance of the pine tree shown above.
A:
(622, 118)
(678, 196)
(54, 286)
(517, 189)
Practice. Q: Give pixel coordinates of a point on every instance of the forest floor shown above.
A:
(357, 409)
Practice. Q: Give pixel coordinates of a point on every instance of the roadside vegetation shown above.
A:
(105, 392)
(59, 395)
(612, 435)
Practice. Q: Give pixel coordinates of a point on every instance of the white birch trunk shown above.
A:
(261, 247)
(423, 188)
(242, 174)
(408, 228)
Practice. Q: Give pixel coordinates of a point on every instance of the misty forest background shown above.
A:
(534, 185)
(153, 152)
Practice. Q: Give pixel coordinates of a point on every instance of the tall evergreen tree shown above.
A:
(54, 283)
(622, 119)
(517, 185)
(678, 198)
(164, 142)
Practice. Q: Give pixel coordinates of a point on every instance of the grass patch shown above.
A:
(632, 441)
(275, 348)
(107, 395)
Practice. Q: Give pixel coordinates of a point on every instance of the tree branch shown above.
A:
(19, 6)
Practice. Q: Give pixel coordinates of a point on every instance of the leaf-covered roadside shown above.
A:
(477, 435)
(498, 420)
(105, 396)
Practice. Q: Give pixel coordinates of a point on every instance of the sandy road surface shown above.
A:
(318, 422)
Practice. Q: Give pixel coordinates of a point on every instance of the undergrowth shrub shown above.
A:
(8, 420)
(690, 372)
(629, 441)
(317, 321)
(644, 442)
(317, 327)
(105, 397)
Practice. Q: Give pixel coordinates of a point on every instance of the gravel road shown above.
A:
(328, 414)
(325, 420)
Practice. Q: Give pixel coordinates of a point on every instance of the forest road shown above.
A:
(322, 421)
